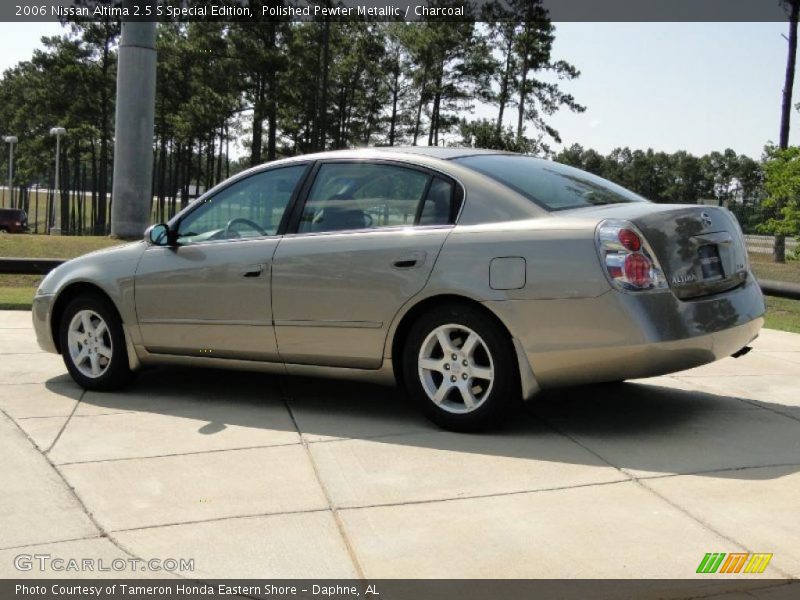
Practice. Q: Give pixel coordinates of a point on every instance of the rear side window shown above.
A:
(348, 196)
(551, 185)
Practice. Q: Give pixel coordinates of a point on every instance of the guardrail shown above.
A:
(780, 289)
(42, 266)
(29, 266)
(765, 244)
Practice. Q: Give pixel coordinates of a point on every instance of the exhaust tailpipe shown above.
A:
(741, 352)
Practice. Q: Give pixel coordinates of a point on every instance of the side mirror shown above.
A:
(157, 235)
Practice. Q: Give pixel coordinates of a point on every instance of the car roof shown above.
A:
(437, 152)
(387, 151)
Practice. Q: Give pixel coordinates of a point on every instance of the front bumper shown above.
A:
(41, 313)
(627, 336)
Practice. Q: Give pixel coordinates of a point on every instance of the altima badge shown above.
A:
(683, 279)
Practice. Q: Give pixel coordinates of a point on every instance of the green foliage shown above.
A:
(725, 177)
(782, 185)
(525, 45)
(484, 134)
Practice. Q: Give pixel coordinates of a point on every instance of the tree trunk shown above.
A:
(522, 94)
(94, 218)
(227, 152)
(221, 149)
(105, 132)
(503, 98)
(272, 119)
(395, 97)
(174, 175)
(272, 102)
(187, 181)
(162, 175)
(323, 117)
(420, 104)
(779, 252)
(433, 134)
(258, 124)
(199, 178)
(210, 150)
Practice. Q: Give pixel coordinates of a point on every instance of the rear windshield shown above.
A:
(551, 185)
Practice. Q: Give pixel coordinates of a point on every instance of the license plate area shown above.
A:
(710, 263)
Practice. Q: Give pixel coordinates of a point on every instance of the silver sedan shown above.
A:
(474, 278)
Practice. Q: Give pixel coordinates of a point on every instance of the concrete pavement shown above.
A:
(274, 477)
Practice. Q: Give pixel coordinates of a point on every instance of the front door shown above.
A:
(210, 294)
(364, 242)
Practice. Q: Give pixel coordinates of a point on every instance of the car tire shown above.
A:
(93, 345)
(471, 385)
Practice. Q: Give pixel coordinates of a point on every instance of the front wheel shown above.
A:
(93, 344)
(460, 368)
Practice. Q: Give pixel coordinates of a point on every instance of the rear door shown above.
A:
(365, 241)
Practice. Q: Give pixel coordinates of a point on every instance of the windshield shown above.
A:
(549, 184)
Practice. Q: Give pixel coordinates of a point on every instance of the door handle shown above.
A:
(253, 271)
(409, 261)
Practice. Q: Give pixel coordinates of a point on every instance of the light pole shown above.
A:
(10, 140)
(55, 228)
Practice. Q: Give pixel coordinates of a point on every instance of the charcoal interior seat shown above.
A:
(340, 219)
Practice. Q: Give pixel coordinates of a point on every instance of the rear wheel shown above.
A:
(93, 344)
(459, 366)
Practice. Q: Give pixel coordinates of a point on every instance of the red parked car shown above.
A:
(13, 220)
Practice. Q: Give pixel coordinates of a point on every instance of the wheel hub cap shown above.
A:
(89, 343)
(456, 368)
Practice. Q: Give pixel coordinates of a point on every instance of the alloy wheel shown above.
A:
(89, 343)
(456, 368)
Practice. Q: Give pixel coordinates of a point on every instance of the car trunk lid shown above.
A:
(699, 248)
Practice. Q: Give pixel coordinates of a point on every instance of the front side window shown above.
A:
(359, 195)
(250, 208)
(549, 184)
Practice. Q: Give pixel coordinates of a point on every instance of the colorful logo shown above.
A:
(736, 562)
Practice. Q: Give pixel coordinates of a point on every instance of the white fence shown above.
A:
(764, 244)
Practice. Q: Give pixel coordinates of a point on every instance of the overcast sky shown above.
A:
(670, 86)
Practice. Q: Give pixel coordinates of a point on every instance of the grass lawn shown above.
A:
(783, 314)
(16, 298)
(47, 246)
(764, 268)
(16, 291)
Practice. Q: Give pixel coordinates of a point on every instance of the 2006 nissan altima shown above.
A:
(474, 277)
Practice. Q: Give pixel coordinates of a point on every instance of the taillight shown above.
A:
(637, 270)
(630, 240)
(626, 257)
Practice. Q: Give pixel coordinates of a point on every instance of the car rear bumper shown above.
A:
(41, 311)
(626, 336)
